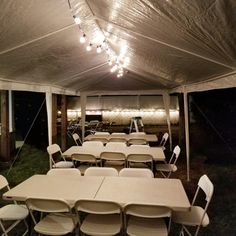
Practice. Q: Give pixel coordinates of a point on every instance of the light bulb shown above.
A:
(77, 20)
(110, 63)
(99, 49)
(83, 38)
(89, 47)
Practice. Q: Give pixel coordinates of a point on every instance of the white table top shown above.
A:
(147, 137)
(156, 152)
(69, 188)
(123, 190)
(166, 192)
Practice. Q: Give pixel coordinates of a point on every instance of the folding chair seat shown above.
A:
(136, 172)
(116, 160)
(167, 168)
(142, 219)
(55, 149)
(13, 213)
(101, 171)
(197, 216)
(85, 161)
(103, 217)
(57, 216)
(137, 141)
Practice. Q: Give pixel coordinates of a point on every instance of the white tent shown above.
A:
(165, 46)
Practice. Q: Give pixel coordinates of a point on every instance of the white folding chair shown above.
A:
(85, 161)
(55, 149)
(65, 172)
(137, 141)
(141, 219)
(164, 140)
(103, 217)
(77, 139)
(197, 216)
(101, 171)
(101, 133)
(117, 134)
(118, 139)
(93, 144)
(13, 213)
(116, 160)
(100, 139)
(140, 160)
(136, 172)
(57, 219)
(116, 145)
(137, 133)
(167, 168)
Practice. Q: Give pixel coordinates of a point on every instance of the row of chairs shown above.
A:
(59, 218)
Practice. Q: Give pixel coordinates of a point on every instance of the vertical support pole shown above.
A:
(63, 122)
(49, 115)
(54, 118)
(181, 119)
(5, 135)
(186, 118)
(83, 101)
(166, 101)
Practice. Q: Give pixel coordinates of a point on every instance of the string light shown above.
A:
(89, 47)
(77, 20)
(99, 49)
(83, 38)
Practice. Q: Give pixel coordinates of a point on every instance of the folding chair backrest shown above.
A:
(47, 205)
(118, 139)
(76, 138)
(93, 144)
(66, 172)
(101, 171)
(164, 139)
(116, 144)
(137, 141)
(147, 211)
(137, 133)
(175, 155)
(83, 157)
(115, 156)
(3, 182)
(102, 133)
(54, 148)
(99, 139)
(136, 172)
(140, 158)
(117, 134)
(98, 207)
(207, 187)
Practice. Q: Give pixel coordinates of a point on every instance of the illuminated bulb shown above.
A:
(89, 47)
(83, 38)
(77, 20)
(110, 63)
(99, 49)
(114, 68)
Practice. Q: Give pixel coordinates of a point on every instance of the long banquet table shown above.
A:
(147, 137)
(156, 152)
(123, 190)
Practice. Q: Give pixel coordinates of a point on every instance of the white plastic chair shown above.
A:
(116, 160)
(65, 172)
(101, 171)
(118, 139)
(13, 213)
(136, 172)
(58, 220)
(140, 160)
(116, 145)
(167, 168)
(101, 133)
(164, 140)
(146, 220)
(137, 141)
(54, 149)
(85, 161)
(197, 216)
(77, 139)
(93, 144)
(103, 217)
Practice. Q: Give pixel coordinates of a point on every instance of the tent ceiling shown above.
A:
(170, 43)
